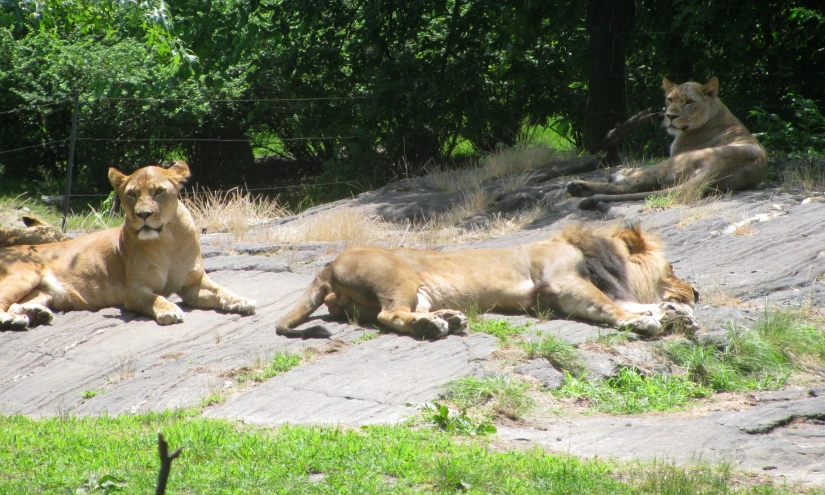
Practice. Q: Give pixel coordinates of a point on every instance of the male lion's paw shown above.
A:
(678, 318)
(239, 305)
(645, 325)
(36, 313)
(456, 320)
(13, 322)
(430, 326)
(576, 188)
(588, 203)
(169, 315)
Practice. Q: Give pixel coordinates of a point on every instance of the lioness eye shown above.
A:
(689, 102)
(131, 193)
(158, 192)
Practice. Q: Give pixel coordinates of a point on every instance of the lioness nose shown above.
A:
(143, 214)
(671, 116)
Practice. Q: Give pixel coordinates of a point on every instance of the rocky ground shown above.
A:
(743, 252)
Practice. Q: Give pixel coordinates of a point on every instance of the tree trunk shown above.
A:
(608, 24)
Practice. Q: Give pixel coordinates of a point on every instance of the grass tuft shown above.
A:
(562, 356)
(502, 329)
(505, 395)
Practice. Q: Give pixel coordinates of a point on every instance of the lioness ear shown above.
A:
(30, 221)
(179, 172)
(116, 178)
(667, 85)
(711, 88)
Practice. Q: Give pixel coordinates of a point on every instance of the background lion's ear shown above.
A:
(179, 172)
(667, 85)
(116, 178)
(711, 88)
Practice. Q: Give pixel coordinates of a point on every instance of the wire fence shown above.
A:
(125, 141)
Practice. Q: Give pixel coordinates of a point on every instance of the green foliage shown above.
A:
(505, 395)
(365, 337)
(659, 202)
(60, 455)
(561, 355)
(631, 393)
(802, 136)
(500, 328)
(452, 421)
(88, 394)
(281, 362)
(757, 359)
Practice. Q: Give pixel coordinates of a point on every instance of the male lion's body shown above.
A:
(712, 150)
(614, 276)
(155, 253)
(36, 232)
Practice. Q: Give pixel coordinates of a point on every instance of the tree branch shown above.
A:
(610, 144)
(165, 463)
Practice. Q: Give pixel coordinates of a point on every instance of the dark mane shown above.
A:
(604, 264)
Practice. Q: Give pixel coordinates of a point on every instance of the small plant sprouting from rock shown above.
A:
(505, 395)
(502, 329)
(281, 362)
(562, 356)
(453, 421)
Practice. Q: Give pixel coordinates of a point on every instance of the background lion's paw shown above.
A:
(36, 313)
(456, 320)
(576, 188)
(170, 315)
(239, 305)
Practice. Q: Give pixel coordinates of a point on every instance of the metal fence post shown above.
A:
(71, 158)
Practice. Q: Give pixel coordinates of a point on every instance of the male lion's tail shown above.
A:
(310, 300)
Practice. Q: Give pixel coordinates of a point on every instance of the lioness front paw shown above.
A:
(456, 320)
(37, 314)
(13, 322)
(645, 325)
(239, 305)
(430, 326)
(169, 315)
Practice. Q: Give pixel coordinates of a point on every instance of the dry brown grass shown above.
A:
(348, 224)
(808, 176)
(232, 211)
(717, 295)
(744, 228)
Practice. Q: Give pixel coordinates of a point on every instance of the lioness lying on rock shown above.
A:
(607, 275)
(36, 232)
(156, 252)
(712, 150)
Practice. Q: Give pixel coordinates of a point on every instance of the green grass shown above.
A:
(281, 362)
(631, 393)
(60, 455)
(561, 355)
(88, 394)
(659, 202)
(504, 395)
(365, 337)
(502, 329)
(759, 359)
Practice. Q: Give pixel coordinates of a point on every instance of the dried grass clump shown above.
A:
(349, 225)
(232, 211)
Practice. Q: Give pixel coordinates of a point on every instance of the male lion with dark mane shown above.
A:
(618, 276)
(155, 253)
(712, 150)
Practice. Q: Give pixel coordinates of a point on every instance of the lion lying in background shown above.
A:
(712, 150)
(156, 252)
(36, 232)
(610, 275)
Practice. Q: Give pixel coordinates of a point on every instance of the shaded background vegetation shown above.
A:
(367, 90)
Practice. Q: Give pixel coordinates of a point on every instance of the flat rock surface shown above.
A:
(138, 366)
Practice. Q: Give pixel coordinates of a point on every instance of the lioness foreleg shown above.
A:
(142, 300)
(207, 294)
(16, 287)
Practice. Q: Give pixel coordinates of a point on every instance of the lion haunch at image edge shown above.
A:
(611, 275)
(712, 150)
(155, 253)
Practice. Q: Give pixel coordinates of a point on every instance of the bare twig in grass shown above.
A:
(165, 463)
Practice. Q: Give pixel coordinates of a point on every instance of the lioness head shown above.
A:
(149, 197)
(689, 105)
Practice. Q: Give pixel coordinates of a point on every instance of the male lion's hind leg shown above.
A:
(37, 314)
(209, 295)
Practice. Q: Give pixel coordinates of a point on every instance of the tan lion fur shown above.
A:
(712, 150)
(608, 275)
(36, 232)
(155, 253)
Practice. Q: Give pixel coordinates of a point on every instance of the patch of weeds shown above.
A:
(453, 421)
(88, 394)
(658, 202)
(612, 338)
(758, 359)
(505, 395)
(105, 484)
(213, 398)
(502, 329)
(281, 362)
(632, 393)
(365, 337)
(562, 356)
